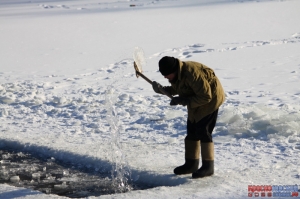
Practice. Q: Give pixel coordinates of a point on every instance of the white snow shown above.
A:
(68, 89)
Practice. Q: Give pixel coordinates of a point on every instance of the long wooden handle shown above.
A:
(150, 82)
(162, 90)
(144, 77)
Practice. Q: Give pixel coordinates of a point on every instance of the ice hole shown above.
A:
(52, 176)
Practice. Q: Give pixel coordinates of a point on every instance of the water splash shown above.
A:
(121, 174)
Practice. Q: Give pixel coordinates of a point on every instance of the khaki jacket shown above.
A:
(201, 86)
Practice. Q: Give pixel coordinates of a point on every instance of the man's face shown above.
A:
(170, 77)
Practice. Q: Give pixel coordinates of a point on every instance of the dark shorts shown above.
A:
(203, 129)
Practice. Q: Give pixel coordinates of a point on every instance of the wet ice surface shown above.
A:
(49, 176)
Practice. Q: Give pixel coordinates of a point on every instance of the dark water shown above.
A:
(47, 175)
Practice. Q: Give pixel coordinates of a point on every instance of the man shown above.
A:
(201, 91)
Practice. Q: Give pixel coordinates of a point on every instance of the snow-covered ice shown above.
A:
(68, 90)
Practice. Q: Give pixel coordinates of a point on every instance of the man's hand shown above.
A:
(164, 90)
(179, 101)
(156, 87)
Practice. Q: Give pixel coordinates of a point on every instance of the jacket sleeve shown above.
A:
(171, 90)
(202, 92)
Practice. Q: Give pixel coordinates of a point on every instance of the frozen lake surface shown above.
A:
(70, 98)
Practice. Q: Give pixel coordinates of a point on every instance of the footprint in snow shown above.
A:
(199, 51)
(189, 50)
(46, 6)
(296, 35)
(110, 71)
(62, 6)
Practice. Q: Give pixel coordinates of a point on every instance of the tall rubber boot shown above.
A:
(192, 153)
(207, 154)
